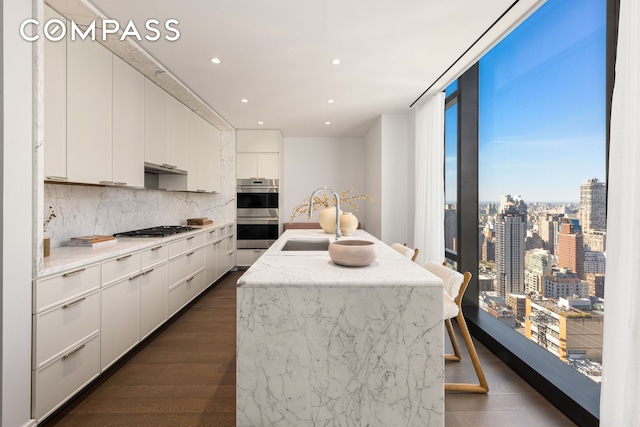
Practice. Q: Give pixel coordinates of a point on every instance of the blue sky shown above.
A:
(542, 106)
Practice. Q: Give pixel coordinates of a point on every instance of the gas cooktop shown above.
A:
(161, 231)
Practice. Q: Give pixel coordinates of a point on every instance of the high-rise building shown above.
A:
(537, 266)
(564, 330)
(596, 284)
(593, 205)
(594, 262)
(450, 227)
(510, 232)
(565, 284)
(547, 227)
(571, 249)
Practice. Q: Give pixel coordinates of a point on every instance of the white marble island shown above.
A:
(323, 345)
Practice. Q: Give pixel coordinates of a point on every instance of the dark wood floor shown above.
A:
(185, 376)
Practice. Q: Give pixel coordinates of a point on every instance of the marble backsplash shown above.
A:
(82, 210)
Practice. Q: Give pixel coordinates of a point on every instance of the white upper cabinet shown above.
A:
(176, 133)
(165, 124)
(128, 125)
(55, 105)
(89, 112)
(258, 153)
(210, 161)
(155, 123)
(195, 124)
(262, 141)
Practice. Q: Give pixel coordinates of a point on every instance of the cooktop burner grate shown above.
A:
(161, 231)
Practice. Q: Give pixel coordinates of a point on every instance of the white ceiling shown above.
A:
(277, 53)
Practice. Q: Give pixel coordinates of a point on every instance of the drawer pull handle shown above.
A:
(135, 277)
(120, 183)
(122, 258)
(156, 248)
(190, 279)
(57, 178)
(189, 238)
(72, 303)
(106, 182)
(74, 351)
(73, 273)
(148, 271)
(190, 253)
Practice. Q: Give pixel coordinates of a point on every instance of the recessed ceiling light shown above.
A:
(245, 100)
(216, 60)
(327, 123)
(260, 123)
(330, 101)
(335, 61)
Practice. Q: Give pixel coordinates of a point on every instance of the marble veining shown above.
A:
(365, 353)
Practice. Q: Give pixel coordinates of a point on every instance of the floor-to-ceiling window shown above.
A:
(451, 173)
(541, 212)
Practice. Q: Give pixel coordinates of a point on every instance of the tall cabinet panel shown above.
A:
(177, 133)
(89, 112)
(194, 144)
(128, 125)
(55, 110)
(210, 161)
(155, 123)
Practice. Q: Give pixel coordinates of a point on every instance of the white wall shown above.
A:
(17, 149)
(373, 175)
(389, 178)
(337, 163)
(395, 178)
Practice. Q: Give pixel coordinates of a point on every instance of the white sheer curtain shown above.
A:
(620, 398)
(429, 184)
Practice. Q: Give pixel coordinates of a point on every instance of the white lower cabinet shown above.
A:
(119, 319)
(87, 318)
(181, 293)
(59, 380)
(153, 299)
(61, 328)
(211, 269)
(246, 257)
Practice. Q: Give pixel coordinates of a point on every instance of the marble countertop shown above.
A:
(64, 258)
(314, 268)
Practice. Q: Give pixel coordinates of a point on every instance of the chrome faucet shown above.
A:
(335, 195)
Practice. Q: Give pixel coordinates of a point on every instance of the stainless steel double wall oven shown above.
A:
(257, 210)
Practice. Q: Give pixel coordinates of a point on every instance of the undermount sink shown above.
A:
(306, 245)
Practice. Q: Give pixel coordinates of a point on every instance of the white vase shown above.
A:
(348, 223)
(327, 219)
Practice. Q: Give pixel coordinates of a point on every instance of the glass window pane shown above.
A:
(451, 177)
(451, 88)
(542, 167)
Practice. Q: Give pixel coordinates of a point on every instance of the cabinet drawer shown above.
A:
(214, 234)
(58, 381)
(186, 244)
(185, 265)
(182, 293)
(246, 257)
(120, 267)
(58, 329)
(153, 256)
(54, 290)
(229, 241)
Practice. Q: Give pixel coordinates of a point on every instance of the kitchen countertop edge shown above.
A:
(65, 258)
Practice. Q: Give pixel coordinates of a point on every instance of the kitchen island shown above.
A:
(319, 344)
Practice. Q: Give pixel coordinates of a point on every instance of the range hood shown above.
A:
(164, 169)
